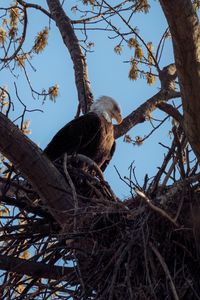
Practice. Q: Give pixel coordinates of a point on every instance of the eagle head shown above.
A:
(108, 108)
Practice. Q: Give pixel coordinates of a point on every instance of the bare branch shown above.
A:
(172, 111)
(35, 269)
(139, 115)
(36, 6)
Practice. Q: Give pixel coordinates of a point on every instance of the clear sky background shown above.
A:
(108, 76)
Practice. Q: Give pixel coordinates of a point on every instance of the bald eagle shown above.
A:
(91, 134)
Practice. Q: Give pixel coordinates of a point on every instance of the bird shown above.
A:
(91, 135)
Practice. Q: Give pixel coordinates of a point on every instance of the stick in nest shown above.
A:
(166, 270)
(156, 208)
(72, 187)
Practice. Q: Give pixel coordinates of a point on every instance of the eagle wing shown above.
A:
(106, 163)
(81, 135)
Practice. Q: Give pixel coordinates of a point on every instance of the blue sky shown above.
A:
(108, 76)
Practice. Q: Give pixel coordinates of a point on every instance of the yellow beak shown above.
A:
(119, 119)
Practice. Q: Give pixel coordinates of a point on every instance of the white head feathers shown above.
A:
(107, 107)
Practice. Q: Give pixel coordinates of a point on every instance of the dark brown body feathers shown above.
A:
(90, 135)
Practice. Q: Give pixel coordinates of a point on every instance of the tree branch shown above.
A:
(35, 269)
(172, 111)
(139, 115)
(44, 177)
(70, 40)
(33, 5)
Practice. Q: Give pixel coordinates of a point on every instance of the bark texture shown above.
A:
(185, 30)
(70, 40)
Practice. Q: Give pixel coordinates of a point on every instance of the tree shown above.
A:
(65, 235)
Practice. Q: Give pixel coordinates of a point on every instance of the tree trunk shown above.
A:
(185, 31)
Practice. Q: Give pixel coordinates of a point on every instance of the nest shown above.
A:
(146, 247)
(145, 250)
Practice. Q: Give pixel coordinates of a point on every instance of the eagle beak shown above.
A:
(119, 119)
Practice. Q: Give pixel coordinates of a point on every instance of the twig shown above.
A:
(146, 263)
(167, 158)
(74, 194)
(117, 269)
(156, 208)
(168, 175)
(22, 40)
(165, 268)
